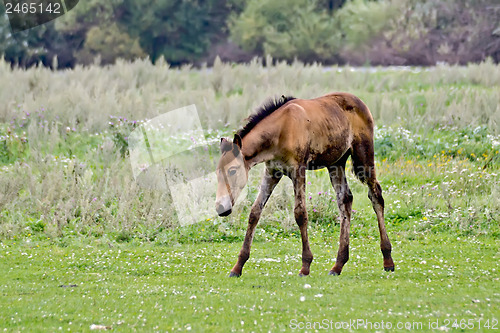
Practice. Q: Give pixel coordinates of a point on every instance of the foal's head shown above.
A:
(232, 175)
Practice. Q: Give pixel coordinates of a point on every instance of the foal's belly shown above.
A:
(328, 150)
(326, 159)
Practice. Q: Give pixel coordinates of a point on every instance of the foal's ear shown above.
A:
(237, 140)
(224, 145)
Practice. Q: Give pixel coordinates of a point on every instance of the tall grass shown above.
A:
(65, 169)
(226, 93)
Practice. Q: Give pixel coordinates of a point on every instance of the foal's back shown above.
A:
(321, 131)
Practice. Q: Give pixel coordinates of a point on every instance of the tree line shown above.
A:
(384, 32)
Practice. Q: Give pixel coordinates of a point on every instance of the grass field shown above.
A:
(146, 287)
(81, 243)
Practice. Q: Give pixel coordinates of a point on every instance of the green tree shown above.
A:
(108, 43)
(92, 24)
(37, 45)
(362, 20)
(179, 30)
(88, 14)
(286, 29)
(330, 5)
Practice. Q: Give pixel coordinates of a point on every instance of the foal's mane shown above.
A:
(269, 106)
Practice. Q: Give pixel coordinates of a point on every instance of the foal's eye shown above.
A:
(232, 172)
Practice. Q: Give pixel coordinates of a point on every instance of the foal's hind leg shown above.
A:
(364, 169)
(375, 195)
(269, 182)
(344, 201)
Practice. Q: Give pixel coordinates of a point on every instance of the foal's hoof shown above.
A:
(332, 272)
(234, 275)
(389, 269)
(302, 274)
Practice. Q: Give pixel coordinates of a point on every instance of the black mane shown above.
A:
(269, 106)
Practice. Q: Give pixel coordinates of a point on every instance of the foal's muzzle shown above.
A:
(223, 206)
(222, 211)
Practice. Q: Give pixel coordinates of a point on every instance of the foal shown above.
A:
(294, 135)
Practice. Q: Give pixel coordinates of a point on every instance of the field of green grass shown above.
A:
(134, 286)
(82, 243)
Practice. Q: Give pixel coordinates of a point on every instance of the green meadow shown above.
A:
(134, 286)
(83, 246)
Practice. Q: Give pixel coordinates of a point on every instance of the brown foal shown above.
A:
(294, 135)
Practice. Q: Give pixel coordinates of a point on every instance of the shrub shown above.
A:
(286, 30)
(362, 20)
(411, 32)
(109, 43)
(180, 31)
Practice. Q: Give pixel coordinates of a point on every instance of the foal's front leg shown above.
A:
(269, 182)
(299, 185)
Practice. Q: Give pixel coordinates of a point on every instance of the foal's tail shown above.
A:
(358, 169)
(363, 160)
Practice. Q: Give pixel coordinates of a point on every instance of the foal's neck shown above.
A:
(258, 147)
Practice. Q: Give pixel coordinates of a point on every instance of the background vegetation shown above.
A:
(65, 169)
(82, 244)
(383, 32)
